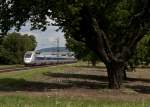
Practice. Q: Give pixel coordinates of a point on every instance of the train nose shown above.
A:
(27, 60)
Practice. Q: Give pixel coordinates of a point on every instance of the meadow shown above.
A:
(72, 85)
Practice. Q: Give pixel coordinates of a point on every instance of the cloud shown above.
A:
(47, 38)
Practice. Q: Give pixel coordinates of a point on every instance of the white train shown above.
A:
(34, 58)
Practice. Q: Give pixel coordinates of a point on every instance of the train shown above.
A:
(36, 58)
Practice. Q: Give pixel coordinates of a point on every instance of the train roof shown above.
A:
(54, 49)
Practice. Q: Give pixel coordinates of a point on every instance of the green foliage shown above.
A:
(13, 47)
(78, 47)
(142, 54)
(82, 52)
(4, 55)
(74, 17)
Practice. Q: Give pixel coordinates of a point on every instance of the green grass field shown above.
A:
(14, 82)
(26, 101)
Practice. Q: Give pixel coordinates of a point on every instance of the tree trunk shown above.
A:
(125, 72)
(93, 63)
(115, 75)
(88, 63)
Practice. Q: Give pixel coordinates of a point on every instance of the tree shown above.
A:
(110, 28)
(14, 46)
(81, 51)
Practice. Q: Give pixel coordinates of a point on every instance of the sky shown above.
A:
(47, 38)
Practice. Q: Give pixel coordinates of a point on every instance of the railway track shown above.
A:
(20, 68)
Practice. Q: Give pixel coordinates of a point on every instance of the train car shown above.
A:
(34, 58)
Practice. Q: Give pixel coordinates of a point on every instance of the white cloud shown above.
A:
(47, 38)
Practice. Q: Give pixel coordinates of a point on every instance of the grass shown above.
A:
(4, 66)
(19, 81)
(26, 101)
(30, 74)
(86, 64)
(14, 81)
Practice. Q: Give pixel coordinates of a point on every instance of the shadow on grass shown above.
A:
(139, 79)
(66, 81)
(140, 89)
(10, 84)
(86, 66)
(77, 76)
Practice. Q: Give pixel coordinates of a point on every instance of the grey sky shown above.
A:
(47, 38)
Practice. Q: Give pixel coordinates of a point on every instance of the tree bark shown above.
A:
(125, 73)
(115, 75)
(93, 63)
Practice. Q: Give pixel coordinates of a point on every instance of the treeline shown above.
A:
(13, 47)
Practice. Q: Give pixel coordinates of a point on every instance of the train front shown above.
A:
(29, 58)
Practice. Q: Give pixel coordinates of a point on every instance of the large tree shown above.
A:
(110, 28)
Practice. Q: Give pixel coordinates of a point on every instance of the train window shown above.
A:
(48, 58)
(63, 54)
(55, 58)
(28, 55)
(40, 58)
(60, 58)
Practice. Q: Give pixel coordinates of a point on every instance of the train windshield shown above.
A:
(28, 55)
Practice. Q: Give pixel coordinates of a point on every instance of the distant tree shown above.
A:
(141, 55)
(14, 46)
(82, 52)
(5, 56)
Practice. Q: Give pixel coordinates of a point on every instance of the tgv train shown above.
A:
(34, 58)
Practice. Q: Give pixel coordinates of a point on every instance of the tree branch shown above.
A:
(128, 48)
(139, 16)
(136, 30)
(103, 42)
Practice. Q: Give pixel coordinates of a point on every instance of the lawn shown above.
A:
(73, 85)
(5, 66)
(27, 101)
